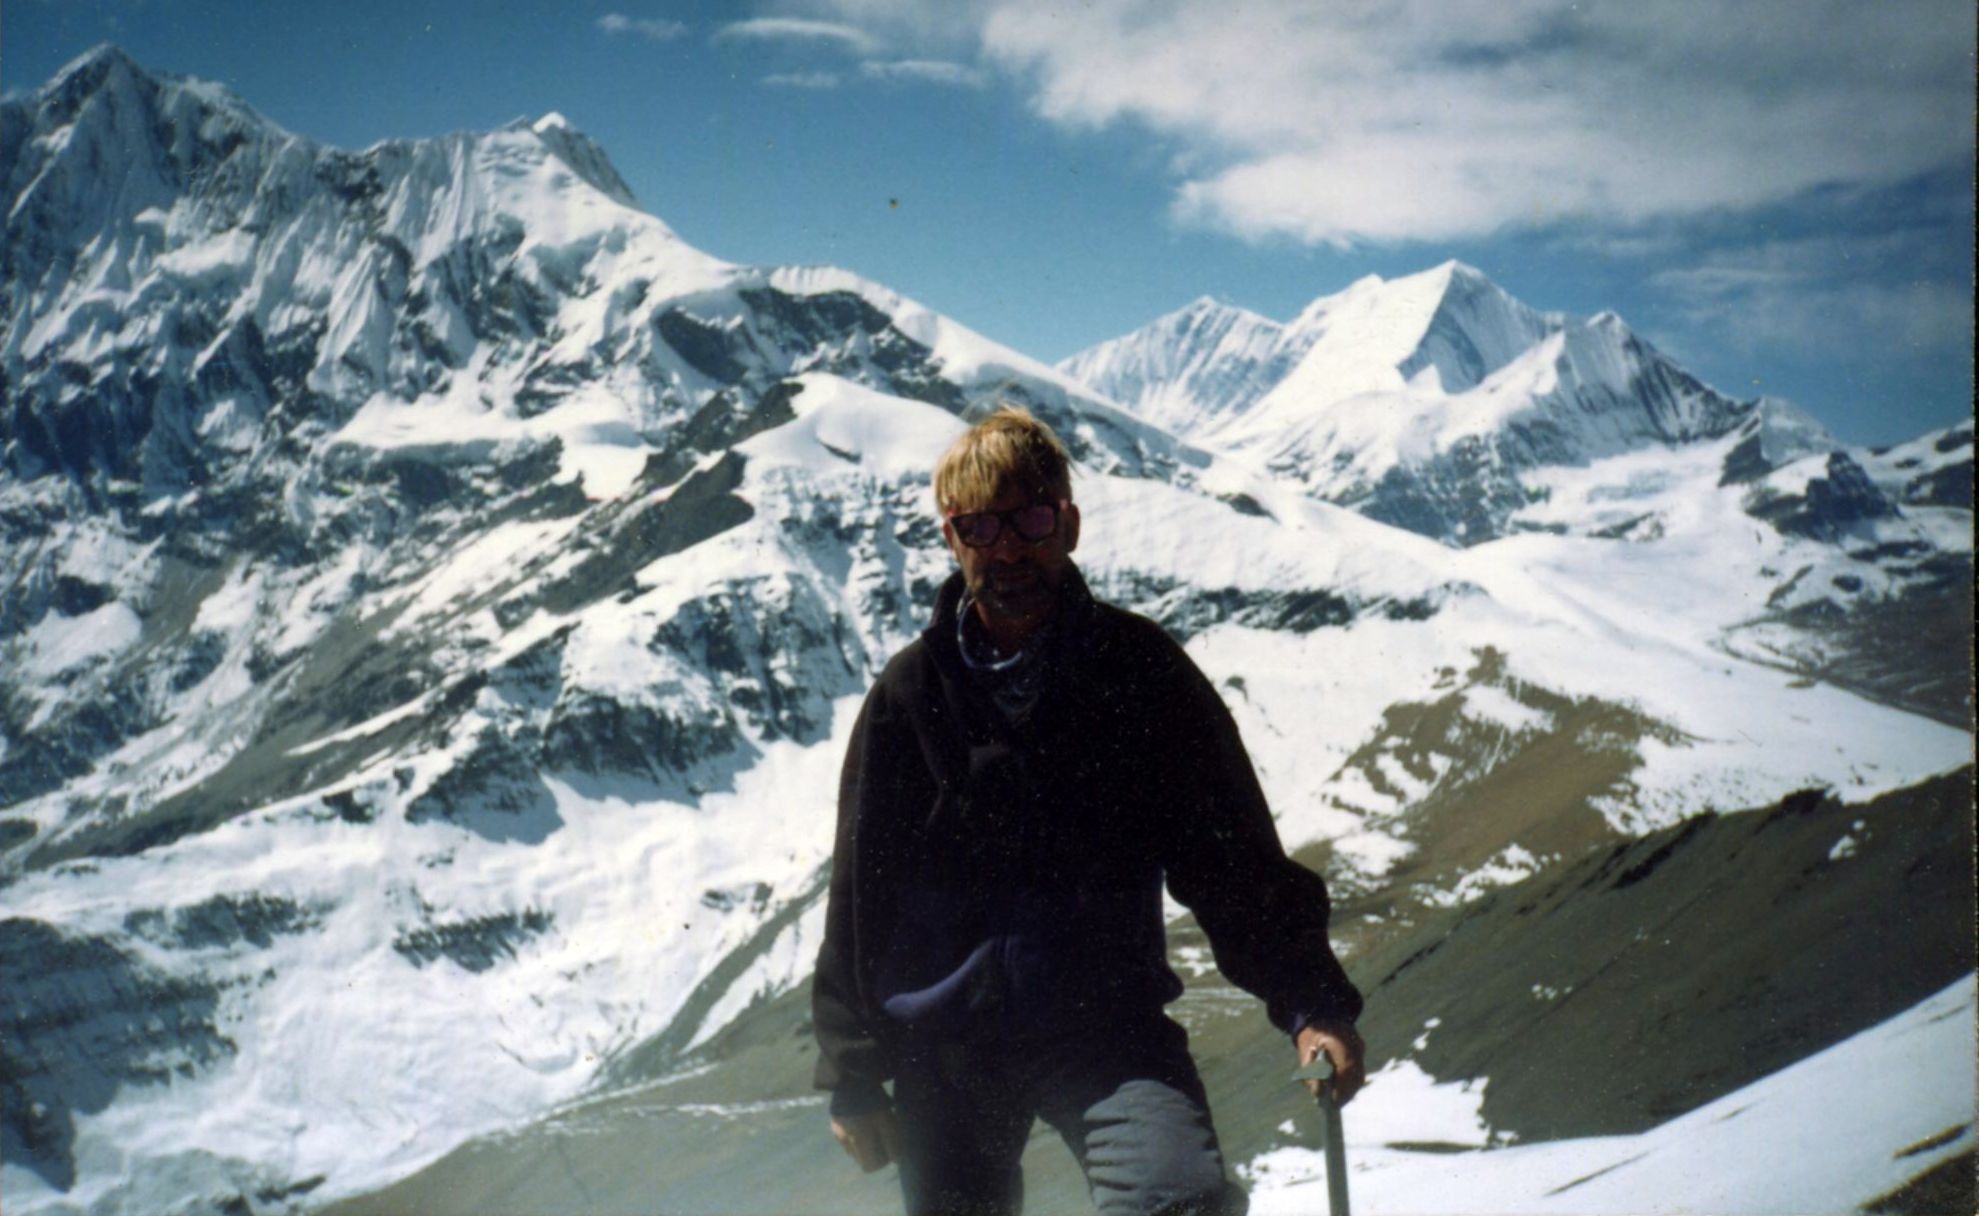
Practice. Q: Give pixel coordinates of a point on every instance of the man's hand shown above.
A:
(1342, 1045)
(871, 1140)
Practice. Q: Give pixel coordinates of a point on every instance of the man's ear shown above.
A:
(948, 536)
(1070, 525)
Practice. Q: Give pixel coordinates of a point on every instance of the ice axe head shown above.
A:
(1321, 1069)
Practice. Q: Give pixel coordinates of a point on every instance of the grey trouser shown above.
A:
(1126, 1100)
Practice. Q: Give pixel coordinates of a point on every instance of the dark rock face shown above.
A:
(834, 331)
(1185, 611)
(725, 420)
(66, 744)
(1833, 507)
(594, 734)
(477, 944)
(493, 789)
(222, 921)
(703, 506)
(1464, 496)
(782, 659)
(701, 344)
(1950, 486)
(80, 1020)
(1746, 463)
(1893, 649)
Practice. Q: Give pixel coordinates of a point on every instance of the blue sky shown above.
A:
(1778, 192)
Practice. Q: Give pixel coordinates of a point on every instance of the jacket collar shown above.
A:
(1074, 620)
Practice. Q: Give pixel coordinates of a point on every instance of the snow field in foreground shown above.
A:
(1828, 1134)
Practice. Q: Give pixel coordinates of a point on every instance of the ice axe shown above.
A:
(1321, 1070)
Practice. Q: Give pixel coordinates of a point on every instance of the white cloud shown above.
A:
(802, 80)
(653, 28)
(945, 29)
(797, 29)
(926, 71)
(1898, 318)
(1822, 292)
(1389, 120)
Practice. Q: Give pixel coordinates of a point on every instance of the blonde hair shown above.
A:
(1010, 447)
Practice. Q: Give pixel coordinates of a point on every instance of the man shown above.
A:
(1021, 780)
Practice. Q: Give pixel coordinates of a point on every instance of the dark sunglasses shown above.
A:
(980, 529)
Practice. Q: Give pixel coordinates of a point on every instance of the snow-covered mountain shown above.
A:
(434, 598)
(1422, 401)
(1208, 369)
(1193, 369)
(1438, 403)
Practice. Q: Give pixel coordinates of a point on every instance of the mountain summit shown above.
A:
(1192, 369)
(1203, 369)
(189, 286)
(1443, 330)
(1421, 400)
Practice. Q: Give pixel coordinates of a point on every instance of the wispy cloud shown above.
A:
(652, 28)
(1345, 123)
(1888, 290)
(796, 29)
(802, 80)
(924, 71)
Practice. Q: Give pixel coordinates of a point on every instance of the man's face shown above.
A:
(1015, 581)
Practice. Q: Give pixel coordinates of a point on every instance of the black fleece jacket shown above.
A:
(994, 882)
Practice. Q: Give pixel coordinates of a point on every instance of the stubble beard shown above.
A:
(1023, 595)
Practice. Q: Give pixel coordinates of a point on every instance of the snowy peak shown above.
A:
(1422, 400)
(1476, 329)
(1215, 370)
(1453, 464)
(105, 139)
(245, 299)
(583, 155)
(104, 89)
(230, 285)
(1441, 331)
(105, 74)
(88, 69)
(1190, 369)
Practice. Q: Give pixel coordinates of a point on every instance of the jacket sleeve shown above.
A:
(1265, 915)
(852, 1058)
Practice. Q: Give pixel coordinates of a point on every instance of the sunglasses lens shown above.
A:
(977, 530)
(1036, 523)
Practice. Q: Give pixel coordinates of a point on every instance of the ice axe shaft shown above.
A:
(1321, 1070)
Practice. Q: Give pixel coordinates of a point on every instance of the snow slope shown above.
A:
(1194, 368)
(1810, 1138)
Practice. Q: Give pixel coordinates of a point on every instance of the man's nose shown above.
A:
(1008, 546)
